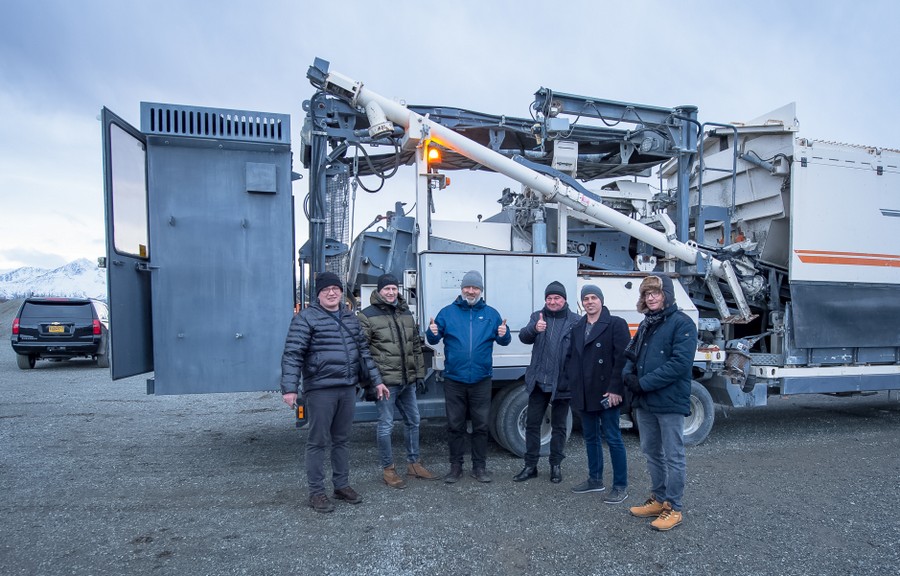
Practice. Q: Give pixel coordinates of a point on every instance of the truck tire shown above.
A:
(495, 409)
(698, 425)
(511, 423)
(24, 361)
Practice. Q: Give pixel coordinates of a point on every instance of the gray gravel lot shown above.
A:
(97, 477)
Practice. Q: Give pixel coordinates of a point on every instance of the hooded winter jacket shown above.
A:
(469, 333)
(394, 340)
(323, 353)
(661, 354)
(549, 350)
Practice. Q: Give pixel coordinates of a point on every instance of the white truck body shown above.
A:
(786, 249)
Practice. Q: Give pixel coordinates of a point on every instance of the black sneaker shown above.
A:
(616, 495)
(320, 503)
(589, 486)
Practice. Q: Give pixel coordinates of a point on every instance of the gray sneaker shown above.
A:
(616, 495)
(589, 485)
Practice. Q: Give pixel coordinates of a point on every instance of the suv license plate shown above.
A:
(56, 329)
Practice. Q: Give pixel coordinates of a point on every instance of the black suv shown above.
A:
(60, 328)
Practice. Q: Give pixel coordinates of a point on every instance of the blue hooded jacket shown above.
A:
(469, 333)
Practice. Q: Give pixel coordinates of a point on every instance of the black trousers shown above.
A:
(474, 401)
(559, 413)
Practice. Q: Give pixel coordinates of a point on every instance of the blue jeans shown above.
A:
(607, 421)
(402, 400)
(662, 441)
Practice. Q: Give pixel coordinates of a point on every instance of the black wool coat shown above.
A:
(594, 364)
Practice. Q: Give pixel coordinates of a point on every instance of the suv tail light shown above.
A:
(96, 327)
(15, 326)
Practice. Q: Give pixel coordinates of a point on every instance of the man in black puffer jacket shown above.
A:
(657, 371)
(323, 348)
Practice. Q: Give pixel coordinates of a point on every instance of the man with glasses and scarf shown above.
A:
(658, 373)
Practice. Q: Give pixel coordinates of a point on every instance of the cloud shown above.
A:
(63, 61)
(18, 257)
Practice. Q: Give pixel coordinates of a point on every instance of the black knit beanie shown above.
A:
(387, 280)
(326, 279)
(555, 288)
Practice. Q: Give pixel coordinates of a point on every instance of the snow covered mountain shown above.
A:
(77, 279)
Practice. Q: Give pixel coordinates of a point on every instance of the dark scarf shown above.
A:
(651, 321)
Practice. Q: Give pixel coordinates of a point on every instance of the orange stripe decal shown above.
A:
(847, 258)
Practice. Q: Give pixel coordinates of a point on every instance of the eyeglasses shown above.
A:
(331, 289)
(653, 294)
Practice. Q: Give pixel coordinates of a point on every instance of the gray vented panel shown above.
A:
(218, 123)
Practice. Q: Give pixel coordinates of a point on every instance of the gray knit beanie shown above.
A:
(472, 278)
(591, 289)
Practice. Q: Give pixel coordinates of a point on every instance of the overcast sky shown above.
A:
(62, 60)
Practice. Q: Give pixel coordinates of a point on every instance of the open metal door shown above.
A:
(127, 247)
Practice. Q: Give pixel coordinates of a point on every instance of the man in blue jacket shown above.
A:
(469, 328)
(658, 373)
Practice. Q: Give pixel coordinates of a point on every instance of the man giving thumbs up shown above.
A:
(469, 328)
(549, 329)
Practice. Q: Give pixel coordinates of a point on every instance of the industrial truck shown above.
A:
(785, 249)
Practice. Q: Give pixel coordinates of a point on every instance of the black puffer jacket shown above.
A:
(393, 341)
(323, 353)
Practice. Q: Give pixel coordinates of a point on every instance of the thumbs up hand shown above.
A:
(501, 331)
(433, 327)
(540, 325)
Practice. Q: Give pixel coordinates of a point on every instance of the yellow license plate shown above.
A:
(57, 329)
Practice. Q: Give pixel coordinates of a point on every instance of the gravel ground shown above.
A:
(97, 477)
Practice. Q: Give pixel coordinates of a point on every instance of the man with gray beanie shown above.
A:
(549, 330)
(324, 348)
(594, 375)
(469, 329)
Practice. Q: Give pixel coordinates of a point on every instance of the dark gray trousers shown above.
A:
(330, 413)
(473, 400)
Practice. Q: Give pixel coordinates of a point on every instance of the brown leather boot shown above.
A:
(392, 479)
(416, 470)
(667, 519)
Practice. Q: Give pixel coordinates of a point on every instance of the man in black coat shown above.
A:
(594, 371)
(323, 347)
(548, 330)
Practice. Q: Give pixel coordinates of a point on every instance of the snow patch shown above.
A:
(78, 279)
